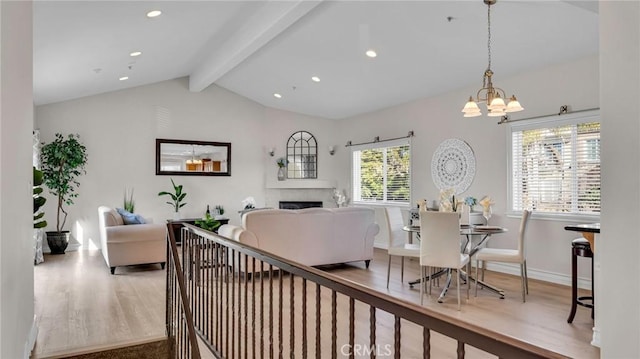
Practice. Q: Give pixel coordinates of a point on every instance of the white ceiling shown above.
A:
(256, 48)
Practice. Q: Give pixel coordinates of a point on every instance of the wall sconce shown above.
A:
(272, 151)
(332, 150)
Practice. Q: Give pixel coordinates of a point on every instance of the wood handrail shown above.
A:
(193, 341)
(504, 346)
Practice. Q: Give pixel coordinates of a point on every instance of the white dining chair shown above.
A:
(398, 240)
(440, 246)
(517, 255)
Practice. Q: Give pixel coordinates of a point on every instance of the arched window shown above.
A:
(302, 153)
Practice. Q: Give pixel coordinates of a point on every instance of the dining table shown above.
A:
(481, 234)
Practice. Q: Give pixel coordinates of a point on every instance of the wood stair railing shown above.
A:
(248, 303)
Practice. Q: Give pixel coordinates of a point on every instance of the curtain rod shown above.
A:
(564, 109)
(377, 139)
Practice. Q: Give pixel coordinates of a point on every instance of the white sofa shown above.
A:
(311, 236)
(130, 244)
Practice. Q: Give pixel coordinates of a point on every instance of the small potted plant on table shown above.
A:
(176, 199)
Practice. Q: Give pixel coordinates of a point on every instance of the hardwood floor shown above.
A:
(81, 307)
(542, 320)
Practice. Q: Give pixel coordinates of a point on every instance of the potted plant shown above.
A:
(176, 199)
(208, 223)
(63, 160)
(282, 163)
(38, 200)
(129, 204)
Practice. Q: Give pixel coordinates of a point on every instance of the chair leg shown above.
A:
(402, 269)
(388, 271)
(468, 279)
(430, 271)
(484, 266)
(422, 275)
(526, 276)
(477, 264)
(522, 279)
(574, 286)
(458, 286)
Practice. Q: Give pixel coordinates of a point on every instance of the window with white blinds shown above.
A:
(555, 166)
(381, 172)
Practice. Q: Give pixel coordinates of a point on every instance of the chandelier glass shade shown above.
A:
(493, 97)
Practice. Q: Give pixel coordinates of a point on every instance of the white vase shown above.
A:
(176, 216)
(281, 174)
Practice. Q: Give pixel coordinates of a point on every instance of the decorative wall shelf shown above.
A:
(301, 184)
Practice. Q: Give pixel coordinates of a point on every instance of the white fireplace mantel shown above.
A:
(301, 183)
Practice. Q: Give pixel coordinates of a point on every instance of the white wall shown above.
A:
(120, 128)
(17, 330)
(435, 119)
(618, 287)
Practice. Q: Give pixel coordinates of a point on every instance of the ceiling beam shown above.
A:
(256, 32)
(590, 5)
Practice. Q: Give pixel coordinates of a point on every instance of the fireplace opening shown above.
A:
(299, 204)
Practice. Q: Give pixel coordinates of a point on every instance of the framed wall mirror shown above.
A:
(192, 158)
(302, 153)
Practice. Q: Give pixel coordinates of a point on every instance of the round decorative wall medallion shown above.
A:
(453, 165)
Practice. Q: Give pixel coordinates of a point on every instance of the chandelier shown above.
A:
(194, 164)
(492, 96)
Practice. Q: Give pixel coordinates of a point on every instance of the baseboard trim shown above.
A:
(31, 339)
(595, 340)
(546, 276)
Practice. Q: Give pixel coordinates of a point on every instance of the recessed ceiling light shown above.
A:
(371, 53)
(315, 79)
(277, 95)
(154, 13)
(124, 78)
(135, 53)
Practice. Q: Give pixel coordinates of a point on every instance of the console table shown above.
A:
(176, 225)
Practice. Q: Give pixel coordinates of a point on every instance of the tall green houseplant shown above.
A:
(63, 161)
(38, 200)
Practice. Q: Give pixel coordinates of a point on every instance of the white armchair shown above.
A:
(130, 244)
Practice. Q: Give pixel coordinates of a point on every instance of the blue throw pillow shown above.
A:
(130, 218)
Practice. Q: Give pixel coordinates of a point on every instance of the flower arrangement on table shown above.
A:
(486, 204)
(448, 201)
(340, 197)
(281, 162)
(248, 203)
(471, 202)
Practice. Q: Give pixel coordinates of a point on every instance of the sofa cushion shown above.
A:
(130, 218)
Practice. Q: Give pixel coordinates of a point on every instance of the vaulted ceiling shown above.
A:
(258, 48)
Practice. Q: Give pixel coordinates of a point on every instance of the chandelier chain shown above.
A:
(489, 34)
(488, 70)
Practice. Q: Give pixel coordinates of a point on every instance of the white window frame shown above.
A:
(375, 145)
(543, 122)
